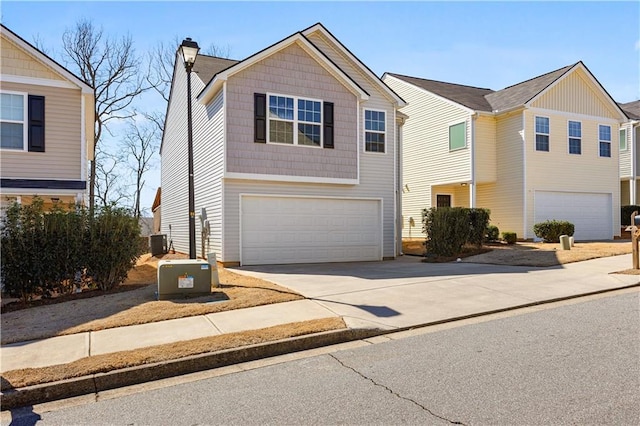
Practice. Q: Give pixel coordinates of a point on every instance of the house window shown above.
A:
(542, 134)
(457, 136)
(623, 139)
(289, 113)
(575, 137)
(374, 130)
(605, 140)
(12, 121)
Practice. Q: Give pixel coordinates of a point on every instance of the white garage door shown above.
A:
(591, 213)
(276, 230)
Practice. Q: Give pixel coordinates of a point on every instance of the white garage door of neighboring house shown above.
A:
(591, 213)
(277, 230)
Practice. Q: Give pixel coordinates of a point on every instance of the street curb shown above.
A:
(29, 395)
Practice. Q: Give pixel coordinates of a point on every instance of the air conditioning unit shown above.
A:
(183, 278)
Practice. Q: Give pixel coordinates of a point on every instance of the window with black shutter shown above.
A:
(36, 123)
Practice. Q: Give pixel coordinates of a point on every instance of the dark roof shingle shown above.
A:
(632, 109)
(471, 97)
(208, 66)
(488, 100)
(521, 93)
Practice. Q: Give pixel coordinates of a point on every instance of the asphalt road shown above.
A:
(574, 364)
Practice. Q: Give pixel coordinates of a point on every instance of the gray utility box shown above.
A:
(183, 278)
(158, 244)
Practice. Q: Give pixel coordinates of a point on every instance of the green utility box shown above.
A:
(179, 279)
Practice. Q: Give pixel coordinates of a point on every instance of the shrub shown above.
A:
(492, 234)
(478, 223)
(510, 237)
(447, 229)
(625, 214)
(551, 230)
(113, 245)
(44, 252)
(22, 241)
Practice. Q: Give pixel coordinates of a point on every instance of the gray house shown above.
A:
(295, 155)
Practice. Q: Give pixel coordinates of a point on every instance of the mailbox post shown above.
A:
(635, 234)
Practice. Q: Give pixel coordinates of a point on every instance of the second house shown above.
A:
(543, 149)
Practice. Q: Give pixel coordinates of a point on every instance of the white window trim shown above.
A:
(603, 141)
(569, 137)
(466, 144)
(24, 122)
(626, 138)
(364, 131)
(536, 133)
(295, 121)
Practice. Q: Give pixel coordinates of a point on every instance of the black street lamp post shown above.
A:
(189, 49)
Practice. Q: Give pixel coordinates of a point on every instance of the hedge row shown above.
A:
(45, 252)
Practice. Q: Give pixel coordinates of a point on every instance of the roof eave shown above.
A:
(15, 38)
(214, 85)
(319, 27)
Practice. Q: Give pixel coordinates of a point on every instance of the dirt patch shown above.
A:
(137, 305)
(171, 351)
(531, 254)
(549, 254)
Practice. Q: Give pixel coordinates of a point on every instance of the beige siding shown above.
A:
(485, 149)
(290, 72)
(505, 197)
(625, 193)
(426, 158)
(173, 169)
(62, 156)
(557, 170)
(208, 171)
(15, 61)
(576, 94)
(625, 155)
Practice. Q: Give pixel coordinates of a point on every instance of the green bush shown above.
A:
(492, 234)
(113, 245)
(44, 252)
(478, 223)
(625, 214)
(447, 229)
(551, 230)
(510, 237)
(22, 242)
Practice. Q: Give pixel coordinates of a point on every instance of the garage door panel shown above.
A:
(591, 213)
(309, 230)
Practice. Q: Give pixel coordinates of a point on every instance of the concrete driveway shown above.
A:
(407, 292)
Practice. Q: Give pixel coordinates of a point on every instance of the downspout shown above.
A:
(634, 165)
(472, 184)
(524, 175)
(399, 218)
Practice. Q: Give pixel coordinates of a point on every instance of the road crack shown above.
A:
(394, 393)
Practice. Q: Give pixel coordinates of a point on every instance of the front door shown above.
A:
(443, 200)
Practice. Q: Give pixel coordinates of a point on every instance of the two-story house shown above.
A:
(46, 126)
(295, 155)
(629, 158)
(539, 150)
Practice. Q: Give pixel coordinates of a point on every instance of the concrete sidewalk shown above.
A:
(386, 295)
(65, 349)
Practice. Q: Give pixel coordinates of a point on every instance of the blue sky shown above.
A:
(483, 44)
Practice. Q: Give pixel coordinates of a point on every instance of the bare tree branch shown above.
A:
(112, 68)
(110, 188)
(139, 146)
